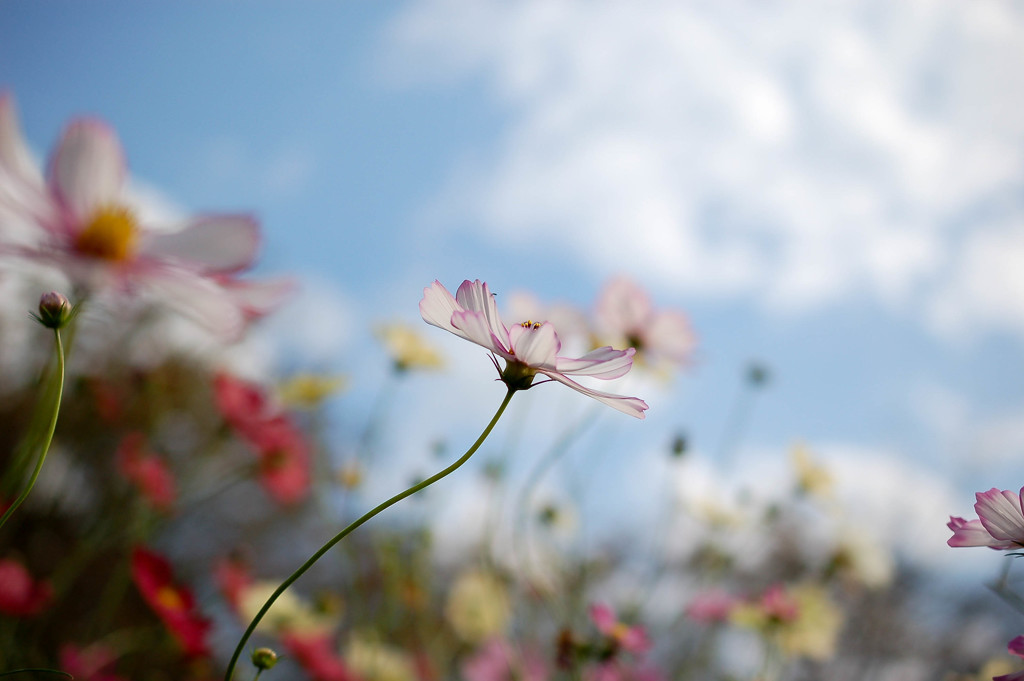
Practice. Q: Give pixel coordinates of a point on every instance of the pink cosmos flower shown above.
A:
(528, 348)
(626, 314)
(92, 663)
(1000, 522)
(284, 460)
(20, 594)
(498, 661)
(147, 472)
(174, 604)
(282, 448)
(632, 639)
(711, 606)
(86, 224)
(317, 656)
(1015, 647)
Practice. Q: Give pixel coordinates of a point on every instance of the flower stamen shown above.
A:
(111, 234)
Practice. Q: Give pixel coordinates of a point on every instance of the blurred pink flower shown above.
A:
(1000, 522)
(528, 348)
(20, 594)
(711, 606)
(284, 460)
(146, 471)
(778, 605)
(497, 661)
(233, 578)
(317, 655)
(626, 315)
(85, 223)
(174, 604)
(284, 455)
(633, 639)
(91, 663)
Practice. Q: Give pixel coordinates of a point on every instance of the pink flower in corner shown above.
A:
(1015, 647)
(1000, 522)
(528, 348)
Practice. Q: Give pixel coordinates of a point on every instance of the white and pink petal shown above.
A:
(88, 168)
(633, 406)
(605, 363)
(535, 346)
(477, 297)
(1000, 513)
(211, 244)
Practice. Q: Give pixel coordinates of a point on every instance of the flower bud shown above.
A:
(264, 658)
(54, 310)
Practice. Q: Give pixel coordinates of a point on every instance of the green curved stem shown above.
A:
(37, 671)
(49, 432)
(348, 530)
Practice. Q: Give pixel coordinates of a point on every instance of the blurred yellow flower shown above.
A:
(371, 660)
(307, 391)
(288, 614)
(812, 478)
(801, 620)
(859, 557)
(407, 348)
(350, 475)
(478, 606)
(814, 632)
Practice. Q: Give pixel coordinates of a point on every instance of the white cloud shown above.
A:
(799, 153)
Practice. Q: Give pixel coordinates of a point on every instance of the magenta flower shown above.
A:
(626, 314)
(1015, 647)
(1000, 522)
(528, 348)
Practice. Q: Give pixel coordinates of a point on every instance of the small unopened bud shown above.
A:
(264, 658)
(54, 310)
(679, 445)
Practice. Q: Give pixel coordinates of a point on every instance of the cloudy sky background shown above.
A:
(835, 190)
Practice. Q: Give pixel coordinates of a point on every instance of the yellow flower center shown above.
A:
(530, 323)
(111, 234)
(170, 599)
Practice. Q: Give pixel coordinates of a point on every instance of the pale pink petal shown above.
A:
(669, 335)
(1000, 513)
(473, 326)
(221, 244)
(603, 617)
(88, 169)
(477, 297)
(260, 297)
(633, 406)
(606, 363)
(623, 307)
(973, 533)
(535, 347)
(200, 298)
(438, 306)
(15, 158)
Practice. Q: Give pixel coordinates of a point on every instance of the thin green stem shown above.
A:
(49, 432)
(348, 530)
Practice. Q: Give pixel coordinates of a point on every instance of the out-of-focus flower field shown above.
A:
(176, 494)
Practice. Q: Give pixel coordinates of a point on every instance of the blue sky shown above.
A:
(835, 191)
